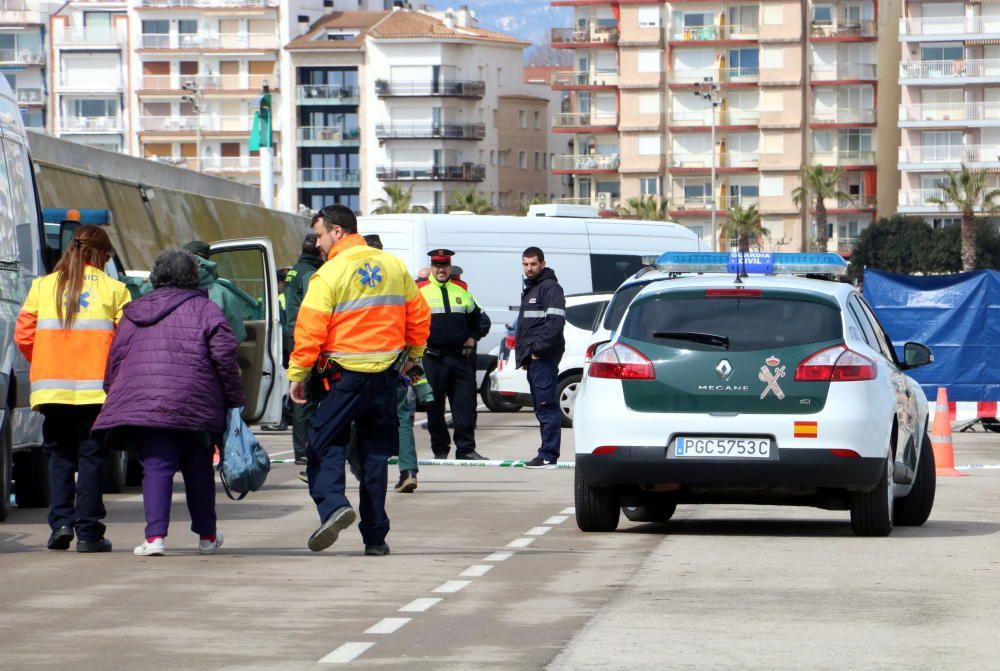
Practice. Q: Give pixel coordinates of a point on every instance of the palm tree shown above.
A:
(470, 201)
(744, 224)
(967, 191)
(397, 201)
(648, 208)
(821, 184)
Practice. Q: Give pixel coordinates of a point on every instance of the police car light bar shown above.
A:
(759, 263)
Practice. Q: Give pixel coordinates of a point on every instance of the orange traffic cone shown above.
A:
(944, 455)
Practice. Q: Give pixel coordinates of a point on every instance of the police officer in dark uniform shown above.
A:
(450, 359)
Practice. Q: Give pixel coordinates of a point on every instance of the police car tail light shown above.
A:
(510, 342)
(592, 349)
(621, 362)
(835, 364)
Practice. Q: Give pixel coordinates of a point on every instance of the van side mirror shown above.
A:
(916, 355)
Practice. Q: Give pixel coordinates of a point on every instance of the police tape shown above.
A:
(978, 467)
(500, 463)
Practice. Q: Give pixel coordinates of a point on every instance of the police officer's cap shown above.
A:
(441, 255)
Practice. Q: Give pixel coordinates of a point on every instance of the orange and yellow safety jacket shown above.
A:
(67, 365)
(362, 309)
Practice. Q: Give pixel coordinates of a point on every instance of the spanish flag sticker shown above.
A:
(806, 430)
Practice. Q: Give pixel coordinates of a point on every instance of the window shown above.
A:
(522, 119)
(23, 209)
(8, 231)
(942, 53)
(538, 120)
(884, 342)
(649, 60)
(499, 78)
(187, 26)
(649, 186)
(522, 160)
(649, 145)
(822, 14)
(493, 157)
(584, 315)
(608, 271)
(649, 17)
(538, 161)
(744, 62)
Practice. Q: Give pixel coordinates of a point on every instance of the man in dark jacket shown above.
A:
(296, 283)
(540, 346)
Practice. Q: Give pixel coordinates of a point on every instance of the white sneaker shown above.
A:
(155, 549)
(208, 547)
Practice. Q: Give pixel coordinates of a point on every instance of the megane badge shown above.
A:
(724, 369)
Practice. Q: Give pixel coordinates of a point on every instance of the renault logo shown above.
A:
(724, 369)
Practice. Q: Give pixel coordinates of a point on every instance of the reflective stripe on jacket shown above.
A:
(67, 365)
(362, 309)
(454, 314)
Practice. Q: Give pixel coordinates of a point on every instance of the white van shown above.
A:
(586, 252)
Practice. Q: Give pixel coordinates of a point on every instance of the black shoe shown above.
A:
(407, 482)
(61, 538)
(377, 550)
(100, 545)
(471, 455)
(303, 477)
(326, 535)
(274, 427)
(541, 462)
(440, 455)
(301, 461)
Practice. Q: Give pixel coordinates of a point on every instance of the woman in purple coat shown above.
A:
(171, 374)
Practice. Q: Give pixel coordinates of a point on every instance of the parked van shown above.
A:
(586, 252)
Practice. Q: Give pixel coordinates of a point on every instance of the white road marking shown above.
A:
(499, 556)
(278, 454)
(420, 605)
(476, 570)
(556, 519)
(447, 416)
(387, 625)
(567, 511)
(537, 531)
(520, 542)
(452, 586)
(346, 653)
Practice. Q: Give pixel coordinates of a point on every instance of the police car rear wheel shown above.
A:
(597, 508)
(871, 512)
(913, 509)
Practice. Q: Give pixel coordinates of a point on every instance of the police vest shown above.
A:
(452, 314)
(67, 364)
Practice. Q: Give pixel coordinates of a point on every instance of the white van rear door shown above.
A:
(248, 266)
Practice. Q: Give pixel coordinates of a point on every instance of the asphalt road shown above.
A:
(488, 571)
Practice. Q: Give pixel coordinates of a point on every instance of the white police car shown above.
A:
(771, 389)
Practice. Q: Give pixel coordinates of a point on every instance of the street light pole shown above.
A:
(711, 91)
(196, 98)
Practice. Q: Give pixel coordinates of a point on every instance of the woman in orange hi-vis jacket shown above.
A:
(65, 330)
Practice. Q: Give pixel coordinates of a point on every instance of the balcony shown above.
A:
(593, 34)
(843, 158)
(585, 163)
(233, 164)
(207, 83)
(79, 36)
(430, 89)
(29, 96)
(723, 118)
(918, 200)
(430, 131)
(91, 124)
(859, 202)
(329, 178)
(842, 29)
(949, 28)
(21, 12)
(323, 94)
(325, 136)
(467, 172)
(937, 157)
(843, 72)
(210, 4)
(206, 123)
(749, 75)
(842, 116)
(21, 56)
(845, 245)
(572, 79)
(713, 33)
(579, 121)
(188, 41)
(700, 204)
(950, 73)
(943, 115)
(728, 160)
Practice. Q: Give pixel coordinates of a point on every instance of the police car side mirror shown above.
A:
(916, 355)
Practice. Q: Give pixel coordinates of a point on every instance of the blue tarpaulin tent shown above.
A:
(957, 316)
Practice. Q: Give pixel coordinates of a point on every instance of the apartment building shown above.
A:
(792, 84)
(23, 55)
(950, 108)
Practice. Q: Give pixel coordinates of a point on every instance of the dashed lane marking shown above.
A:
(346, 653)
(421, 605)
(388, 625)
(476, 570)
(452, 586)
(568, 511)
(537, 531)
(556, 519)
(520, 542)
(499, 556)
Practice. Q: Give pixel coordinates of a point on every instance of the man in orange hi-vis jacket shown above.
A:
(361, 323)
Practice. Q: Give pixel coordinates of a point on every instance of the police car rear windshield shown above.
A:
(619, 303)
(745, 324)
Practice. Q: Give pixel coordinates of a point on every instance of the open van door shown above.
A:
(248, 268)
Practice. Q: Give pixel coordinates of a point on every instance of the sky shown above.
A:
(529, 20)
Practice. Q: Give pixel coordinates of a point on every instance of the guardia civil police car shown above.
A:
(771, 388)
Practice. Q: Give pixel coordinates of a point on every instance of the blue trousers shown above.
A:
(368, 400)
(66, 439)
(543, 377)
